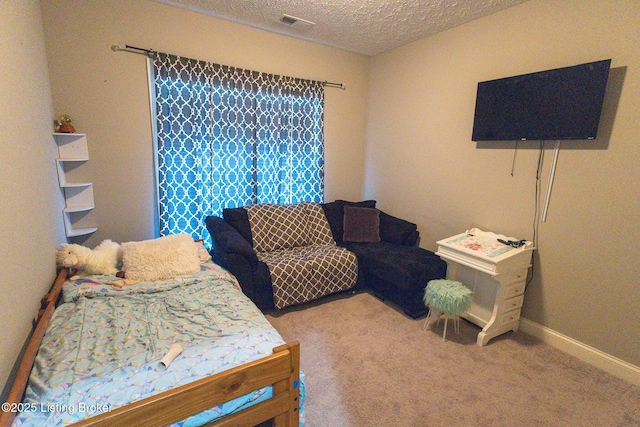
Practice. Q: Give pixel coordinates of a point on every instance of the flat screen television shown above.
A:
(558, 104)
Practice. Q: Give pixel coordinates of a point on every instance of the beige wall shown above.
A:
(30, 223)
(422, 165)
(107, 95)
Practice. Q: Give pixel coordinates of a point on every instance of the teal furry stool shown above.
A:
(446, 297)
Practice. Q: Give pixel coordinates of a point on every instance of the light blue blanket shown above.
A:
(103, 347)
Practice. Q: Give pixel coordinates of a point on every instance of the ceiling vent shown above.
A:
(299, 23)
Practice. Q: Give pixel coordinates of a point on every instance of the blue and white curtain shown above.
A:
(228, 137)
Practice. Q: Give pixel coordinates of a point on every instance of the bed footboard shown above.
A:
(281, 369)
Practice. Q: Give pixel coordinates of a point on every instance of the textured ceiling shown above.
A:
(368, 27)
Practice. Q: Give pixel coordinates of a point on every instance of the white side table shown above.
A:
(496, 273)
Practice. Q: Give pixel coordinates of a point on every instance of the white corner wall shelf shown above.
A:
(78, 196)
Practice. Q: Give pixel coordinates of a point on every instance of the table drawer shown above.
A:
(510, 317)
(514, 290)
(512, 303)
(516, 276)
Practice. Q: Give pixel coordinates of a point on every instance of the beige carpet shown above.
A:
(367, 364)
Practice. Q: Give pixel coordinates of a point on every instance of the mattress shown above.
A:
(103, 347)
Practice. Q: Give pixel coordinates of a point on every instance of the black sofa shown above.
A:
(394, 268)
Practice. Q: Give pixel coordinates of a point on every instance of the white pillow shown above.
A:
(203, 254)
(160, 258)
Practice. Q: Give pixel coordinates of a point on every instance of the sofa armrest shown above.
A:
(232, 242)
(235, 253)
(398, 231)
(413, 239)
(227, 240)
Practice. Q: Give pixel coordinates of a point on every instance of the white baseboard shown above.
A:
(593, 356)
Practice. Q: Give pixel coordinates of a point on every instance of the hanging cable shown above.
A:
(536, 216)
(513, 163)
(552, 174)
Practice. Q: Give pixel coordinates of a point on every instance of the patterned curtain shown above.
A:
(228, 137)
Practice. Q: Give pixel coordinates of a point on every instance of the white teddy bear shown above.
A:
(103, 259)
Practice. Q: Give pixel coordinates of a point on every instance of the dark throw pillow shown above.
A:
(334, 211)
(361, 225)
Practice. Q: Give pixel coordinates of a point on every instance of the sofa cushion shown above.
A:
(407, 267)
(305, 273)
(226, 238)
(276, 227)
(396, 230)
(361, 225)
(317, 225)
(238, 218)
(334, 211)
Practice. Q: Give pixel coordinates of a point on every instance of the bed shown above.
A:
(99, 361)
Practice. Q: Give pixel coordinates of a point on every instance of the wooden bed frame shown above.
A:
(281, 370)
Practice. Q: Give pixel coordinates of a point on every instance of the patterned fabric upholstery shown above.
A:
(276, 227)
(306, 273)
(296, 243)
(319, 232)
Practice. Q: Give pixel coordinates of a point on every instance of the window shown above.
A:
(228, 137)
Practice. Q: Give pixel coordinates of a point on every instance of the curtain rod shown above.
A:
(152, 53)
(338, 85)
(132, 49)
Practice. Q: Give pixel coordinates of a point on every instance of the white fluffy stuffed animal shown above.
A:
(103, 259)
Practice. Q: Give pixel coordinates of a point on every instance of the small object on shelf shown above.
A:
(64, 124)
(513, 243)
